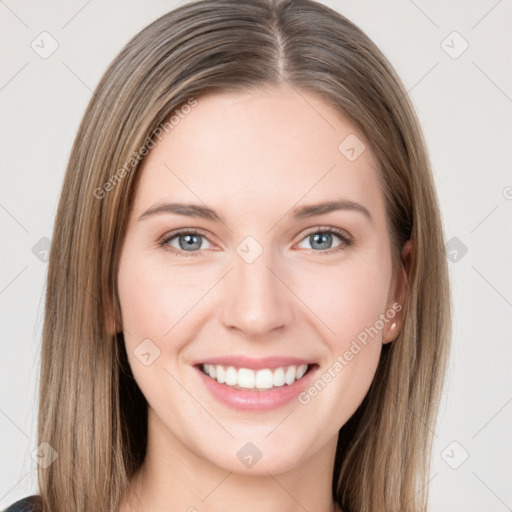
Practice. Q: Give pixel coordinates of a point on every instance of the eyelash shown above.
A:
(346, 241)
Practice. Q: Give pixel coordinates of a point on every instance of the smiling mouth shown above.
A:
(265, 379)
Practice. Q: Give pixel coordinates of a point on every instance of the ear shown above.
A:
(397, 294)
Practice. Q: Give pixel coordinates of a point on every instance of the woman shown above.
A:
(196, 354)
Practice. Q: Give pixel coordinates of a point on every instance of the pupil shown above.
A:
(189, 242)
(319, 236)
(322, 239)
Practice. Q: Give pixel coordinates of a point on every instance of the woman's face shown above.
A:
(226, 263)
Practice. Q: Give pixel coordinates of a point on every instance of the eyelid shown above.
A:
(164, 240)
(342, 233)
(346, 239)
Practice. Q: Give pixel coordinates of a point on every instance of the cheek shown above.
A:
(341, 300)
(349, 304)
(154, 298)
(347, 300)
(156, 304)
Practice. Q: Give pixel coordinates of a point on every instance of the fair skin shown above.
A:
(253, 158)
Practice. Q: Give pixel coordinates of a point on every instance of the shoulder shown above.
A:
(28, 504)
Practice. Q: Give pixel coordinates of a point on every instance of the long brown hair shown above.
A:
(91, 410)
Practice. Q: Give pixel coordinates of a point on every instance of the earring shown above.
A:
(115, 332)
(394, 331)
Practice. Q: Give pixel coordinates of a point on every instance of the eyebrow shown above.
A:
(301, 212)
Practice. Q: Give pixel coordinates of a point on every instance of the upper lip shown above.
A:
(254, 363)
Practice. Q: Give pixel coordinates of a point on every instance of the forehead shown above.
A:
(258, 150)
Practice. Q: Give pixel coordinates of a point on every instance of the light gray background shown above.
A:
(464, 105)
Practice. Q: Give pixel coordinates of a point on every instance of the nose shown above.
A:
(257, 298)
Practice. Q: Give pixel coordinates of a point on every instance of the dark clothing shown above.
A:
(28, 504)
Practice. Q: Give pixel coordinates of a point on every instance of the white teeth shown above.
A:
(246, 378)
(221, 373)
(231, 376)
(290, 374)
(301, 370)
(264, 379)
(279, 377)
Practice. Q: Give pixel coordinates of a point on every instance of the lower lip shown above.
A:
(254, 400)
